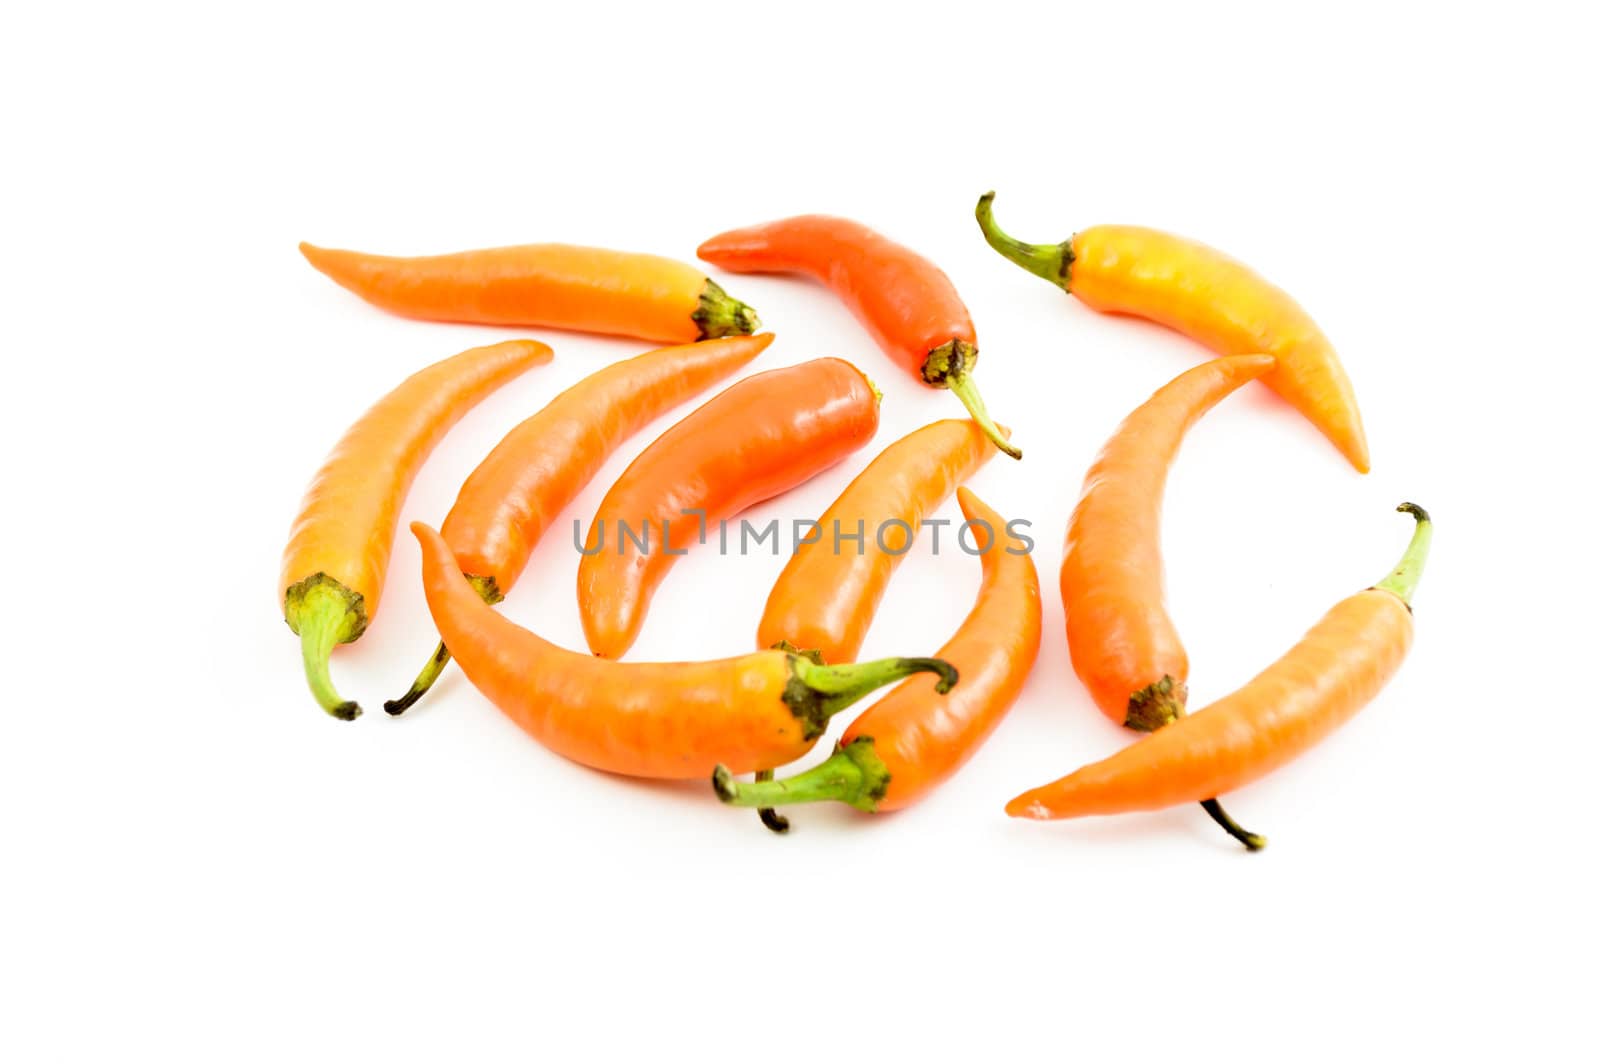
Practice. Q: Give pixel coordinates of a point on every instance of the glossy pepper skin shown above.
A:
(913, 739)
(658, 720)
(825, 599)
(755, 440)
(560, 286)
(1323, 680)
(1205, 295)
(338, 552)
(905, 301)
(542, 464)
(1124, 646)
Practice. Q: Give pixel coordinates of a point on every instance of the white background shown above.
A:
(198, 865)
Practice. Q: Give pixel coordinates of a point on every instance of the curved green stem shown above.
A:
(1250, 839)
(489, 590)
(1053, 262)
(719, 314)
(775, 822)
(324, 613)
(950, 366)
(1403, 580)
(817, 692)
(854, 775)
(419, 687)
(966, 390)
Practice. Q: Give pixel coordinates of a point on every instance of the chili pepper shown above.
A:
(556, 285)
(338, 552)
(1208, 297)
(661, 720)
(826, 596)
(1124, 647)
(904, 746)
(1337, 668)
(757, 439)
(507, 503)
(906, 302)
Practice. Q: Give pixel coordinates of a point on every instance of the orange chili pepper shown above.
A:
(666, 721)
(904, 746)
(1210, 298)
(1337, 668)
(1124, 647)
(540, 466)
(338, 552)
(555, 285)
(906, 302)
(757, 439)
(825, 599)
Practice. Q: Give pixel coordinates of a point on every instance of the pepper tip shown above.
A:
(1026, 807)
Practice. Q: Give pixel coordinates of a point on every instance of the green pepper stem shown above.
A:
(966, 389)
(771, 818)
(1053, 262)
(1249, 839)
(419, 687)
(841, 686)
(1402, 582)
(854, 775)
(489, 590)
(321, 611)
(950, 366)
(816, 692)
(719, 314)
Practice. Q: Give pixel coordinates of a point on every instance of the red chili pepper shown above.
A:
(757, 439)
(905, 301)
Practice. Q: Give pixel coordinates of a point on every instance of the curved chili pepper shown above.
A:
(557, 285)
(1124, 647)
(338, 551)
(1337, 668)
(540, 466)
(826, 597)
(757, 439)
(1208, 297)
(666, 721)
(904, 746)
(906, 302)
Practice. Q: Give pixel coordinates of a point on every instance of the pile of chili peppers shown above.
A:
(767, 433)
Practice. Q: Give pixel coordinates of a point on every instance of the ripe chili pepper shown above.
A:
(905, 301)
(904, 746)
(757, 439)
(1207, 296)
(1337, 668)
(661, 720)
(555, 285)
(338, 552)
(826, 597)
(540, 466)
(1124, 647)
